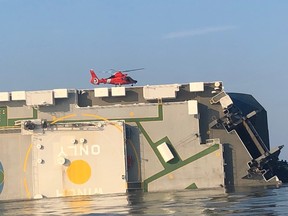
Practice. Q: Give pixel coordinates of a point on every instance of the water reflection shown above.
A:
(252, 201)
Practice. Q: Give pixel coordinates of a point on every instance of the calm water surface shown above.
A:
(249, 201)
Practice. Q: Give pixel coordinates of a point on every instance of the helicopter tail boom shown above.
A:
(94, 79)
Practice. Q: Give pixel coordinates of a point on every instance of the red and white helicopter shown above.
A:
(118, 78)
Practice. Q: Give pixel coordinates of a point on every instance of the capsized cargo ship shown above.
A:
(68, 142)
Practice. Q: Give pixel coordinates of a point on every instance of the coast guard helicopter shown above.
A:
(118, 78)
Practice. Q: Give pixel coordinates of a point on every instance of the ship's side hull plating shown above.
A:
(154, 138)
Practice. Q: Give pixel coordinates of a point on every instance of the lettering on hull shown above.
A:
(78, 192)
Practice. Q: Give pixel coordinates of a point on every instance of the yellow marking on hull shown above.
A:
(170, 176)
(88, 171)
(137, 158)
(62, 118)
(79, 172)
(26, 188)
(26, 158)
(104, 119)
(24, 169)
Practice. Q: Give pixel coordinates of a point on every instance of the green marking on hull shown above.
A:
(172, 165)
(1, 177)
(3, 116)
(158, 118)
(192, 186)
(180, 164)
(145, 119)
(154, 145)
(35, 114)
(11, 122)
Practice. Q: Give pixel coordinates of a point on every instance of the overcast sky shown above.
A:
(51, 44)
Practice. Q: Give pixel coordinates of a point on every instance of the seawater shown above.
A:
(245, 201)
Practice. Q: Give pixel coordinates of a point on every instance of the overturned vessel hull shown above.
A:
(62, 142)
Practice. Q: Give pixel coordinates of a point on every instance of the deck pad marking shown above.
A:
(79, 172)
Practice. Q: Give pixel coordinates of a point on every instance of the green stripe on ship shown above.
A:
(180, 164)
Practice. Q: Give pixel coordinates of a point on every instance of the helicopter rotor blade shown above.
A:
(110, 71)
(133, 70)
